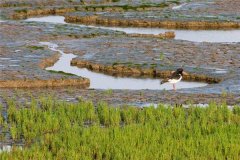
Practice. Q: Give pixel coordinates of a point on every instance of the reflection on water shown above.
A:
(155, 105)
(179, 6)
(8, 148)
(50, 19)
(102, 81)
(227, 36)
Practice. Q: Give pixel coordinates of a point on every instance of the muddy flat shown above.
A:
(98, 56)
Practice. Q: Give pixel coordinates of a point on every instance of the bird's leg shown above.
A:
(174, 87)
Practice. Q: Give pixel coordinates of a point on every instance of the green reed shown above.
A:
(52, 129)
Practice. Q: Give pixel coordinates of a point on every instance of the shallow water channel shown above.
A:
(215, 36)
(102, 81)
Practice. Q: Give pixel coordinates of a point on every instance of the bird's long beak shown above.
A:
(185, 73)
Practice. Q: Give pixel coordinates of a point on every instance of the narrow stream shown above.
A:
(178, 7)
(102, 81)
(214, 36)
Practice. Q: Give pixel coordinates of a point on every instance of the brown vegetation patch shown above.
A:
(166, 35)
(84, 82)
(121, 70)
(96, 19)
(47, 62)
(24, 13)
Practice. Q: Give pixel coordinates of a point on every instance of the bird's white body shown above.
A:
(173, 81)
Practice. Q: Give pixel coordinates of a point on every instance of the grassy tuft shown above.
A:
(35, 47)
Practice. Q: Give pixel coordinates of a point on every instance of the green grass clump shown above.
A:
(61, 72)
(53, 129)
(1, 117)
(36, 47)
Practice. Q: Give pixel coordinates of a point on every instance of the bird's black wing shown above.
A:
(175, 75)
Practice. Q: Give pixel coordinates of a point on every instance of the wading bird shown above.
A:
(175, 77)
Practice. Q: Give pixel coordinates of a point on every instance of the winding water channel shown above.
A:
(213, 36)
(102, 81)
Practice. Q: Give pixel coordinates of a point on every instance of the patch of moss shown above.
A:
(175, 1)
(61, 72)
(35, 47)
(128, 7)
(21, 11)
(153, 64)
(161, 5)
(115, 63)
(137, 65)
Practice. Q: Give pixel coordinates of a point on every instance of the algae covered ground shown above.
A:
(53, 129)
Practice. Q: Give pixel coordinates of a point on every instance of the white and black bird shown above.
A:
(175, 77)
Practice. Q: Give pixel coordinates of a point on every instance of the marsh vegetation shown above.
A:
(51, 129)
